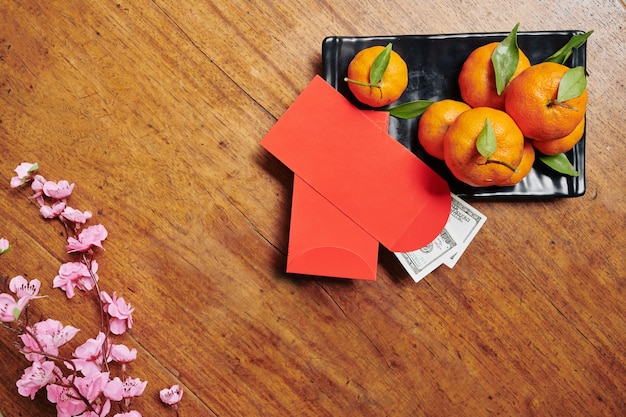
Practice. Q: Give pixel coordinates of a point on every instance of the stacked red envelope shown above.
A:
(354, 187)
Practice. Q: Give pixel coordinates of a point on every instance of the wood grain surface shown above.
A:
(155, 109)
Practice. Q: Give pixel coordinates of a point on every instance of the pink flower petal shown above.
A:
(171, 395)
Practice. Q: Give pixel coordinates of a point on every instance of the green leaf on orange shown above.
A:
(410, 110)
(504, 59)
(380, 64)
(560, 164)
(575, 42)
(572, 84)
(486, 142)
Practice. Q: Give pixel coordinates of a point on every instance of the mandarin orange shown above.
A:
(531, 100)
(434, 123)
(461, 152)
(477, 79)
(564, 144)
(392, 84)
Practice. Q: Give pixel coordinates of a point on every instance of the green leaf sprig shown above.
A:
(486, 145)
(410, 110)
(380, 64)
(564, 53)
(377, 70)
(505, 59)
(572, 84)
(559, 163)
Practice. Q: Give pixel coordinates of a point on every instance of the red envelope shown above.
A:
(325, 242)
(361, 170)
(322, 240)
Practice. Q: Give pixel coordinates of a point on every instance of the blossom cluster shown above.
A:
(82, 384)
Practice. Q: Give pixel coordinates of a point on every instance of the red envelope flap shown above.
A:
(360, 169)
(332, 262)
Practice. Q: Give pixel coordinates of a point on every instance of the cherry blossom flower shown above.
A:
(23, 288)
(67, 401)
(116, 390)
(171, 396)
(134, 387)
(10, 310)
(53, 211)
(35, 377)
(5, 246)
(7, 307)
(37, 187)
(120, 312)
(122, 354)
(76, 216)
(92, 385)
(89, 237)
(50, 336)
(24, 173)
(76, 274)
(89, 356)
(58, 190)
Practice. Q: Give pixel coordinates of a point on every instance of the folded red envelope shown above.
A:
(325, 242)
(361, 170)
(322, 240)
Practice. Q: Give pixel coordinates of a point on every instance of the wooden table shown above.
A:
(155, 110)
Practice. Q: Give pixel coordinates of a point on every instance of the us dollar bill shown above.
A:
(463, 224)
(423, 261)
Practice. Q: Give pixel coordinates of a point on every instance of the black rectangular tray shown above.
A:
(434, 63)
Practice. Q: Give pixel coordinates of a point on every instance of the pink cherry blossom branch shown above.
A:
(88, 389)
